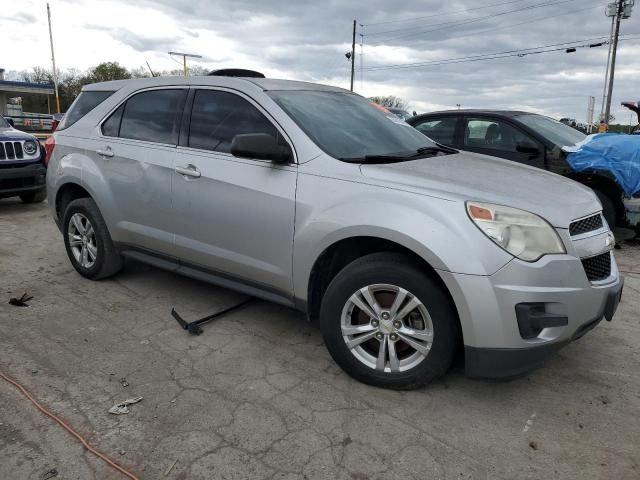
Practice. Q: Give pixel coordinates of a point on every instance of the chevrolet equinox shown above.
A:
(404, 250)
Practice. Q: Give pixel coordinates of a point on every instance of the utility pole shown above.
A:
(606, 73)
(623, 8)
(353, 54)
(53, 61)
(184, 60)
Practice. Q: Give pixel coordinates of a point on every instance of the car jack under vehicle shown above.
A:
(194, 327)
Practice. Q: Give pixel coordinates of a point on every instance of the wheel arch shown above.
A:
(344, 251)
(607, 186)
(67, 193)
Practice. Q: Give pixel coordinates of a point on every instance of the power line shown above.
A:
(504, 27)
(442, 26)
(454, 12)
(495, 55)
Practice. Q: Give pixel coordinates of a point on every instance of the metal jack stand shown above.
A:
(194, 327)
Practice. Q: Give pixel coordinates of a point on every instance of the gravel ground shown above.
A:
(257, 395)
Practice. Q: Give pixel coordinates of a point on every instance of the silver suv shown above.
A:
(312, 197)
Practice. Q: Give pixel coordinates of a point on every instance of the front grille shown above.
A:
(11, 151)
(585, 225)
(598, 267)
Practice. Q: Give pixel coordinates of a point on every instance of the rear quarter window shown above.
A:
(83, 104)
(442, 130)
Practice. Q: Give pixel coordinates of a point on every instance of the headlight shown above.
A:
(522, 234)
(30, 147)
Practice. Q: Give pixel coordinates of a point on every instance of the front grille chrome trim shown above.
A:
(589, 224)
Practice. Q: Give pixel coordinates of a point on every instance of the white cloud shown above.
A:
(307, 40)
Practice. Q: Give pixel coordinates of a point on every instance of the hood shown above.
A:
(469, 176)
(9, 133)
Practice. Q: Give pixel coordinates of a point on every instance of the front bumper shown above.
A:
(508, 363)
(560, 305)
(16, 179)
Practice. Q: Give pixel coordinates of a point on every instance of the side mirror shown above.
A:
(261, 146)
(10, 122)
(528, 147)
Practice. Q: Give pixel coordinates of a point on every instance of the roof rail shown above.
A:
(235, 72)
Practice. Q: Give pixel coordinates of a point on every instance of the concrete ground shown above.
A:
(257, 395)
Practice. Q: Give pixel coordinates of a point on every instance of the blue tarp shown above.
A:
(614, 153)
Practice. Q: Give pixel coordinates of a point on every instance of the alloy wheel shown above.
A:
(387, 328)
(82, 240)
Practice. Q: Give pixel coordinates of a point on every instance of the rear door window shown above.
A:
(217, 117)
(152, 116)
(493, 134)
(441, 130)
(83, 104)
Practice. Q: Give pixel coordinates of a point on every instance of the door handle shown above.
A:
(105, 152)
(189, 171)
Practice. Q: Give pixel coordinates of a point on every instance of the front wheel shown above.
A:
(387, 323)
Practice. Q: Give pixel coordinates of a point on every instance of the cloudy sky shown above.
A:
(307, 40)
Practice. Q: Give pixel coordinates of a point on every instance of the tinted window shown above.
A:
(442, 130)
(348, 126)
(216, 117)
(153, 116)
(111, 128)
(3, 123)
(557, 132)
(83, 104)
(493, 134)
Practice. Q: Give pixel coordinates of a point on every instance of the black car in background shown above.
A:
(22, 170)
(523, 137)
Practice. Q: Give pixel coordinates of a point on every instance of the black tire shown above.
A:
(608, 208)
(398, 270)
(108, 261)
(34, 197)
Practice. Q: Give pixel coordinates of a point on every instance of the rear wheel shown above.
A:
(387, 323)
(33, 197)
(87, 240)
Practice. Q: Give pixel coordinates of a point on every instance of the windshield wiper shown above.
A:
(376, 159)
(421, 152)
(435, 149)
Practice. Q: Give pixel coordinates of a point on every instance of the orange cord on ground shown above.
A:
(69, 429)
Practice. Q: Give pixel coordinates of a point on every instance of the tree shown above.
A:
(390, 101)
(70, 82)
(107, 71)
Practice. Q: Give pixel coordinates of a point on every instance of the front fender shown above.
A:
(436, 229)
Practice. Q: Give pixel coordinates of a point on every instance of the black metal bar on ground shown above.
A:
(194, 327)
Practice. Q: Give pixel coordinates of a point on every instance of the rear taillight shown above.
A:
(49, 145)
(54, 124)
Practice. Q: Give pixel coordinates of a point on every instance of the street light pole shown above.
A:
(353, 54)
(53, 61)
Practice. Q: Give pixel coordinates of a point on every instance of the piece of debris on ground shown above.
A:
(123, 407)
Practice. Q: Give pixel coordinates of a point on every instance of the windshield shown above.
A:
(348, 126)
(3, 123)
(403, 114)
(557, 132)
